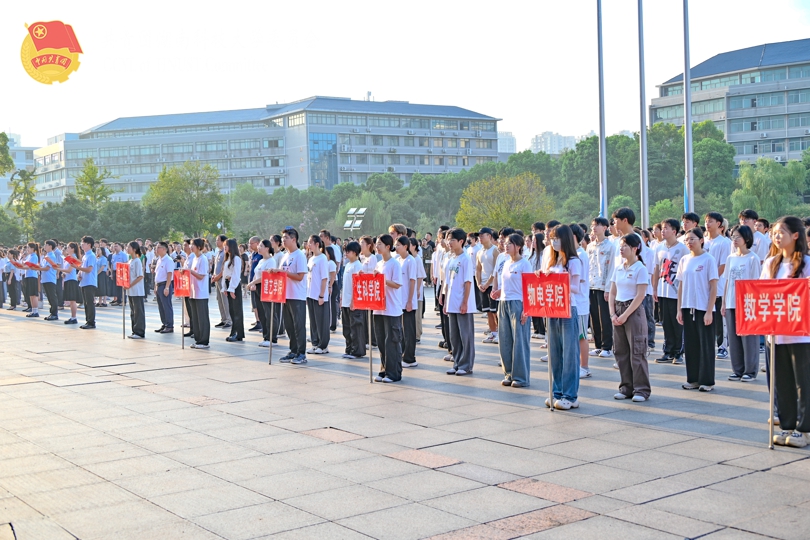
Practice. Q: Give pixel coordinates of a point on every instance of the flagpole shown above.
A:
(689, 175)
(645, 188)
(603, 192)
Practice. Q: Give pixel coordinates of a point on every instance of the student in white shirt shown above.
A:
(164, 287)
(697, 274)
(355, 330)
(484, 275)
(563, 332)
(368, 261)
(514, 326)
(294, 266)
(407, 295)
(583, 302)
(719, 247)
(741, 264)
(762, 243)
(278, 254)
(628, 289)
(473, 248)
(665, 286)
(199, 295)
(268, 311)
(135, 290)
(232, 274)
(459, 305)
(318, 296)
(388, 322)
(419, 293)
(500, 260)
(601, 255)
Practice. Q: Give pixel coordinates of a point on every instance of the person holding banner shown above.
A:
(513, 325)
(70, 283)
(628, 289)
(48, 274)
(792, 368)
(354, 329)
(31, 279)
(232, 273)
(265, 309)
(89, 282)
(198, 270)
(742, 263)
(135, 291)
(563, 332)
(697, 274)
(318, 296)
(294, 267)
(369, 260)
(388, 321)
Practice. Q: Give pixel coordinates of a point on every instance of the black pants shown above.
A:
(53, 297)
(445, 320)
(137, 315)
(270, 315)
(354, 330)
(477, 291)
(295, 321)
(793, 386)
(539, 325)
(389, 338)
(673, 332)
(89, 293)
(699, 344)
(334, 306)
(235, 309)
(718, 321)
(409, 336)
(601, 326)
(60, 292)
(256, 303)
(14, 292)
(319, 318)
(190, 313)
(200, 321)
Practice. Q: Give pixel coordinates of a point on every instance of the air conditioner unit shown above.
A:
(430, 151)
(478, 133)
(352, 169)
(392, 169)
(469, 151)
(392, 150)
(281, 171)
(410, 132)
(355, 130)
(455, 134)
(343, 168)
(777, 158)
(763, 135)
(368, 130)
(442, 132)
(444, 151)
(807, 131)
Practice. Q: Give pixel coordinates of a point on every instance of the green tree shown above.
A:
(384, 184)
(10, 232)
(579, 208)
(665, 209)
(23, 199)
(517, 201)
(67, 221)
(714, 167)
(91, 185)
(187, 199)
(769, 187)
(6, 163)
(621, 201)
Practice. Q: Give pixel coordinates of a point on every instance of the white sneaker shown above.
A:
(387, 380)
(489, 339)
(410, 365)
(448, 357)
(495, 340)
(312, 350)
(584, 373)
(595, 352)
(378, 379)
(461, 372)
(619, 395)
(318, 350)
(797, 439)
(451, 371)
(638, 398)
(605, 354)
(264, 344)
(564, 404)
(544, 358)
(615, 365)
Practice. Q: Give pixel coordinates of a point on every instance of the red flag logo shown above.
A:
(54, 35)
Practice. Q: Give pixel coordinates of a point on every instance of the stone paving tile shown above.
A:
(602, 528)
(656, 463)
(599, 504)
(48, 480)
(209, 455)
(323, 457)
(426, 484)
(117, 521)
(545, 490)
(408, 522)
(12, 508)
(294, 484)
(208, 500)
(163, 483)
(650, 491)
(31, 529)
(717, 506)
(241, 470)
(487, 504)
(88, 496)
(424, 458)
(480, 474)
(734, 534)
(664, 521)
(539, 520)
(178, 529)
(323, 531)
(371, 469)
(256, 521)
(345, 502)
(113, 470)
(332, 435)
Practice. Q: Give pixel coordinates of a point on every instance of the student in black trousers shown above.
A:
(232, 270)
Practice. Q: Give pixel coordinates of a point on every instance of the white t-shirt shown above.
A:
(263, 266)
(459, 272)
(695, 273)
(150, 255)
(295, 262)
(370, 263)
(627, 279)
(136, 271)
(419, 292)
(784, 272)
(738, 266)
(762, 245)
(473, 252)
(511, 277)
(349, 269)
(199, 287)
(720, 249)
(338, 253)
(500, 261)
(486, 257)
(667, 260)
(318, 271)
(408, 265)
(392, 271)
(583, 298)
(574, 277)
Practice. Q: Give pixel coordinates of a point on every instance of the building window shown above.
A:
(345, 178)
(392, 141)
(80, 154)
(750, 78)
(409, 160)
(408, 141)
(212, 146)
(180, 148)
(437, 143)
(424, 142)
(376, 140)
(797, 145)
(383, 121)
(295, 120)
(424, 160)
(361, 159)
(273, 143)
(444, 124)
(758, 124)
(464, 125)
(438, 160)
(800, 72)
(360, 139)
(351, 120)
(274, 162)
(345, 159)
(220, 164)
(482, 126)
(415, 123)
(799, 96)
(149, 150)
(344, 139)
(799, 120)
(377, 159)
(452, 161)
(29, 155)
(464, 143)
(451, 143)
(242, 144)
(485, 143)
(465, 162)
(393, 159)
(120, 151)
(247, 163)
(770, 75)
(322, 119)
(276, 122)
(323, 159)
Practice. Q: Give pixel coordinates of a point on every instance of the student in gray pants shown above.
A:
(459, 304)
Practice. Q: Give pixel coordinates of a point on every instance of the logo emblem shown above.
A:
(50, 52)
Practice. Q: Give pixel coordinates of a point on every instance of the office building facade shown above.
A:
(552, 143)
(507, 143)
(759, 97)
(23, 157)
(319, 141)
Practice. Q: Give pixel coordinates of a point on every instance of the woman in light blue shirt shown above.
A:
(31, 279)
(70, 283)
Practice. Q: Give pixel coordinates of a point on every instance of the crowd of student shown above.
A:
(623, 282)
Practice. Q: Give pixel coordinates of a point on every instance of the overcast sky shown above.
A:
(532, 63)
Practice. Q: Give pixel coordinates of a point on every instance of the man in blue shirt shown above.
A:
(50, 262)
(89, 282)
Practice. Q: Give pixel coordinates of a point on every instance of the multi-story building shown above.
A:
(318, 141)
(759, 97)
(23, 157)
(552, 143)
(507, 143)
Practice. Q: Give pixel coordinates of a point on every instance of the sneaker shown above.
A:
(487, 332)
(666, 359)
(619, 395)
(300, 359)
(762, 348)
(489, 339)
(605, 354)
(706, 388)
(798, 440)
(311, 350)
(347, 356)
(565, 404)
(157, 331)
(538, 336)
(200, 346)
(448, 357)
(451, 371)
(167, 331)
(544, 358)
(438, 326)
(461, 372)
(762, 368)
(495, 340)
(781, 438)
(615, 365)
(220, 325)
(638, 398)
(722, 354)
(378, 379)
(747, 378)
(193, 346)
(264, 344)
(286, 358)
(51, 318)
(33, 315)
(678, 360)
(321, 351)
(734, 377)
(516, 384)
(88, 327)
(584, 373)
(506, 382)
(410, 364)
(595, 352)
(71, 321)
(387, 380)
(690, 386)
(135, 336)
(548, 403)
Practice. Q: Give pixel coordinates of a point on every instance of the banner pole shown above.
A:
(772, 390)
(182, 321)
(370, 352)
(550, 376)
(272, 313)
(123, 316)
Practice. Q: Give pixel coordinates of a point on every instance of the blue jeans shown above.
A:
(563, 355)
(513, 341)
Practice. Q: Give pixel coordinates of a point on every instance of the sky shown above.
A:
(532, 64)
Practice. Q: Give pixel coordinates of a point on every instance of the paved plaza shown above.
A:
(110, 438)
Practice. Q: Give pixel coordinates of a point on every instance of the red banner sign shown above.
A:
(16, 264)
(72, 260)
(773, 307)
(274, 287)
(122, 275)
(547, 295)
(32, 265)
(369, 291)
(182, 283)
